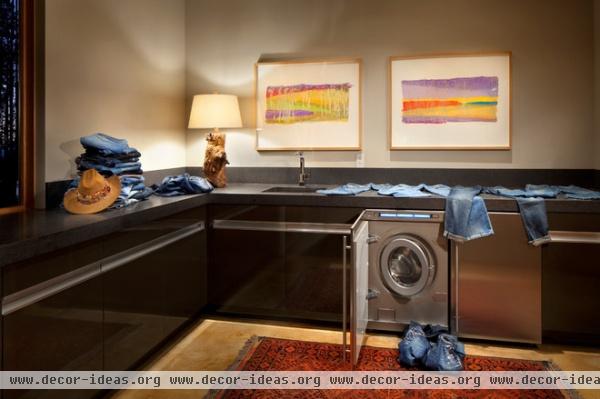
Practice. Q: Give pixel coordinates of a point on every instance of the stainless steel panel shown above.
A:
(286, 227)
(497, 282)
(359, 311)
(574, 237)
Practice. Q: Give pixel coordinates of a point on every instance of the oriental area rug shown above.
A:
(274, 354)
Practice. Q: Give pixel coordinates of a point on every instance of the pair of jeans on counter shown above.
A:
(570, 192)
(133, 190)
(181, 185)
(347, 189)
(532, 208)
(466, 215)
(400, 190)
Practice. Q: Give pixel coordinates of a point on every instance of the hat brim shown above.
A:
(73, 205)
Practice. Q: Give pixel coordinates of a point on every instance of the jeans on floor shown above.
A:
(182, 184)
(105, 144)
(414, 345)
(466, 215)
(346, 189)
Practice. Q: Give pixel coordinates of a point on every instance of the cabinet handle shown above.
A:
(36, 293)
(575, 237)
(284, 227)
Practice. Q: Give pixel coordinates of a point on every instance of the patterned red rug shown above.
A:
(274, 354)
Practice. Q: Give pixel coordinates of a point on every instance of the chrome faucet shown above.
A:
(304, 175)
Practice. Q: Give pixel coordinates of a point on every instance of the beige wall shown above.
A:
(597, 78)
(115, 66)
(551, 42)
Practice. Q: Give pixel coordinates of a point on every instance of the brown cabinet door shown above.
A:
(571, 298)
(61, 332)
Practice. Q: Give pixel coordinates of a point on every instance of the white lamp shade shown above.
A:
(215, 111)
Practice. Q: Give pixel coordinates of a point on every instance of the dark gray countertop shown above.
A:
(34, 233)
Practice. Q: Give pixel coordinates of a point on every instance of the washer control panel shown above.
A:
(403, 216)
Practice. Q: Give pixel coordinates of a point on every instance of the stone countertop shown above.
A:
(36, 232)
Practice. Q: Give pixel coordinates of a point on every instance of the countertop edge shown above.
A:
(242, 194)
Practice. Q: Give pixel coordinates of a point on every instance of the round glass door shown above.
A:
(405, 266)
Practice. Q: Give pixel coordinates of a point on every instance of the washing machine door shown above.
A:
(405, 266)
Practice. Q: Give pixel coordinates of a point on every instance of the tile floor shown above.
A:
(214, 344)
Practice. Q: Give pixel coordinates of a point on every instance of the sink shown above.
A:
(298, 189)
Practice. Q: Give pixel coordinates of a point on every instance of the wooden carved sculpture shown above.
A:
(215, 159)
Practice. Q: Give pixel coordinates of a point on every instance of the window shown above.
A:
(15, 104)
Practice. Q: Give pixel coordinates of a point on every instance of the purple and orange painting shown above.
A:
(307, 103)
(436, 101)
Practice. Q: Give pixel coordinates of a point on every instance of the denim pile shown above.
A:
(113, 156)
(431, 347)
(181, 185)
(466, 215)
(108, 155)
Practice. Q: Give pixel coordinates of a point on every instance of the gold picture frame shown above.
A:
(294, 134)
(502, 138)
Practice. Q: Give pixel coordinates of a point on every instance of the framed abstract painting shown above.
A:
(450, 102)
(308, 105)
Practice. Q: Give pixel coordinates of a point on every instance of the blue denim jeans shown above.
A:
(400, 190)
(108, 160)
(346, 189)
(119, 169)
(575, 192)
(447, 354)
(106, 145)
(414, 346)
(438, 189)
(532, 208)
(466, 215)
(182, 184)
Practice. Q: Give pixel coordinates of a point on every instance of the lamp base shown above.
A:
(215, 159)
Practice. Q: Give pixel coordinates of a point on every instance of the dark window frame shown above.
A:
(26, 108)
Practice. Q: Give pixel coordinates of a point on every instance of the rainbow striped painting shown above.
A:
(307, 103)
(437, 101)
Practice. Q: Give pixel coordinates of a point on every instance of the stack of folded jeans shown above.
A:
(431, 347)
(108, 155)
(181, 185)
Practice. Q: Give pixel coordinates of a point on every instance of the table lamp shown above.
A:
(214, 111)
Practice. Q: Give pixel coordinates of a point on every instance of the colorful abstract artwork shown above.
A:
(307, 103)
(437, 101)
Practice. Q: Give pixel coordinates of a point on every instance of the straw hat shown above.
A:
(94, 194)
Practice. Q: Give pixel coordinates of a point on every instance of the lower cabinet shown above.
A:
(278, 261)
(106, 304)
(61, 332)
(148, 298)
(497, 285)
(570, 283)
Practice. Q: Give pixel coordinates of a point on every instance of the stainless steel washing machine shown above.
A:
(408, 269)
